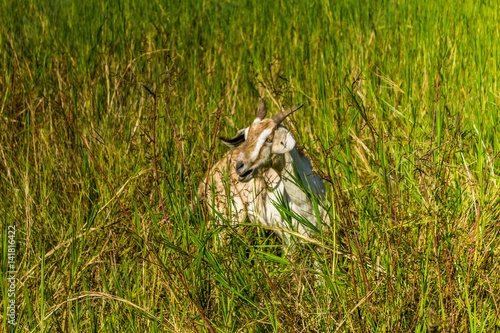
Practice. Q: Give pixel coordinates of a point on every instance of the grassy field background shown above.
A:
(401, 118)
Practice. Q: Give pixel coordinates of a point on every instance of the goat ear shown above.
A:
(237, 140)
(283, 141)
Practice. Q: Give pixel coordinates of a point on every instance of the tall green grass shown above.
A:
(400, 118)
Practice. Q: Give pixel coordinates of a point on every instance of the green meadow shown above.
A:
(110, 114)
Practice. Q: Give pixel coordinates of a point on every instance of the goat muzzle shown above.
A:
(243, 172)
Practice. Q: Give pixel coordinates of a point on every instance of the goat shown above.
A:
(261, 172)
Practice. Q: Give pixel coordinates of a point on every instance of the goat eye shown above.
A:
(269, 140)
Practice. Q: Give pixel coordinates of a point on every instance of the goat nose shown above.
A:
(239, 166)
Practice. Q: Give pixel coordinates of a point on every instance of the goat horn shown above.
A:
(261, 111)
(278, 118)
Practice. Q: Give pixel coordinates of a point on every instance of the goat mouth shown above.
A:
(243, 177)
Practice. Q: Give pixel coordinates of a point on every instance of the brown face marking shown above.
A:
(256, 138)
(271, 136)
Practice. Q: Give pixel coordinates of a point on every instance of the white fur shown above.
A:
(283, 141)
(274, 184)
(277, 187)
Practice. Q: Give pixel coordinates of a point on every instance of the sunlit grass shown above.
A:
(400, 118)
